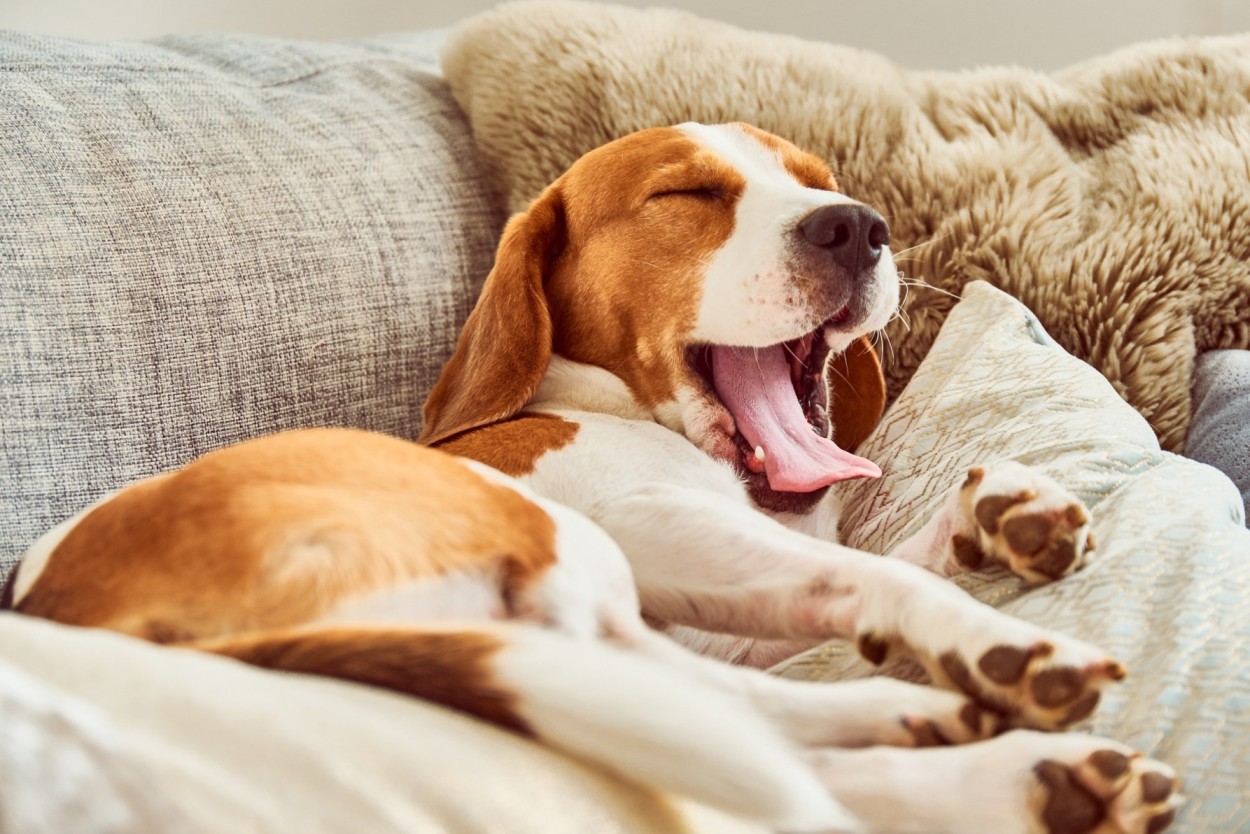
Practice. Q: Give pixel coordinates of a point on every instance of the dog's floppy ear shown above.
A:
(856, 393)
(505, 346)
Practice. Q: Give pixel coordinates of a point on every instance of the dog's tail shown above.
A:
(628, 713)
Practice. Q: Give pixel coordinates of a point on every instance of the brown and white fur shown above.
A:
(589, 473)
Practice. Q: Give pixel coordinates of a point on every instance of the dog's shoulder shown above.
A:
(514, 446)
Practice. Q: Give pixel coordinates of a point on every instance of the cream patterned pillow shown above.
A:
(1168, 590)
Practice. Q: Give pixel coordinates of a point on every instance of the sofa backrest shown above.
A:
(206, 239)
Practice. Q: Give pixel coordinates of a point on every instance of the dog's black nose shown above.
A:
(852, 233)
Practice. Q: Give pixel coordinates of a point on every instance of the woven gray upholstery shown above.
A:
(206, 239)
(1220, 432)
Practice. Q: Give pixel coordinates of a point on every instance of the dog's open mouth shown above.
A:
(779, 401)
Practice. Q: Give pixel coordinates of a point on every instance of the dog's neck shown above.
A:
(573, 386)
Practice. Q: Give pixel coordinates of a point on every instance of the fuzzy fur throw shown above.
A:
(1112, 198)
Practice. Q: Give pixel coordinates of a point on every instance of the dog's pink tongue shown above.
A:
(754, 384)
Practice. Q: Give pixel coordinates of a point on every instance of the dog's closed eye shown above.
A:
(708, 193)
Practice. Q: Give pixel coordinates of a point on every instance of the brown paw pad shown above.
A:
(982, 723)
(1082, 709)
(1028, 534)
(1160, 821)
(1006, 665)
(1110, 764)
(1156, 787)
(1057, 686)
(1057, 559)
(1069, 808)
(967, 552)
(962, 678)
(991, 508)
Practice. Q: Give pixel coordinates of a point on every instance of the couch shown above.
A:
(203, 239)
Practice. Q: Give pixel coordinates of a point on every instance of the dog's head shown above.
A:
(716, 270)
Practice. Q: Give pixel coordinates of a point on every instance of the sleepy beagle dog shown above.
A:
(621, 504)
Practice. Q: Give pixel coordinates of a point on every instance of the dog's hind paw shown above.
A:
(1092, 785)
(1019, 783)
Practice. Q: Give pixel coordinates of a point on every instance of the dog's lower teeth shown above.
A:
(759, 453)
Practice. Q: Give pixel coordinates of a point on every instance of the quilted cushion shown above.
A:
(1166, 590)
(209, 238)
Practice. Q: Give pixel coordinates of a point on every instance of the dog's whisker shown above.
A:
(928, 242)
(920, 282)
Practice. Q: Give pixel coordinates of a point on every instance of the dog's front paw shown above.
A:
(1023, 519)
(1035, 677)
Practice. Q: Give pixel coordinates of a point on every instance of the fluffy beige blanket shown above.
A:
(1112, 198)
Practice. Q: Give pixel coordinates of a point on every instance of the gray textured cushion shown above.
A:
(205, 239)
(1220, 431)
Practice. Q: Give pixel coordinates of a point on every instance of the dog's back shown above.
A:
(357, 556)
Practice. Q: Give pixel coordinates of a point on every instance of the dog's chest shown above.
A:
(613, 457)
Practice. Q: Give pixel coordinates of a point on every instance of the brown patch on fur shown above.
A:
(452, 668)
(873, 648)
(808, 170)
(276, 532)
(856, 393)
(513, 446)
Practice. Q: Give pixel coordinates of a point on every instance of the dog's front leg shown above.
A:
(858, 713)
(704, 560)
